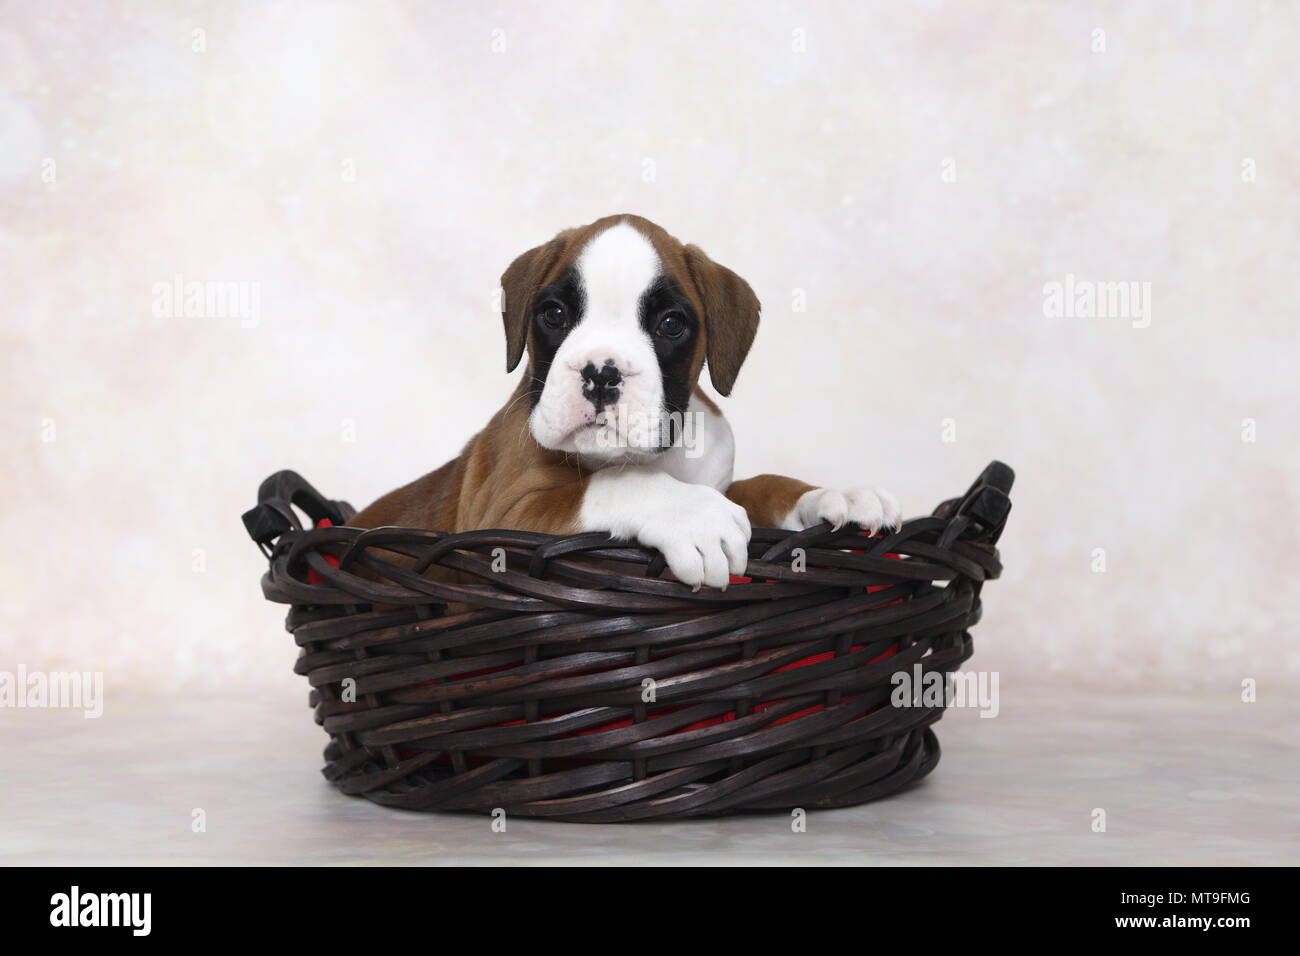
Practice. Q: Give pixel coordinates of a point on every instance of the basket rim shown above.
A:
(317, 565)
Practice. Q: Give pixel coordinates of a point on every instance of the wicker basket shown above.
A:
(582, 686)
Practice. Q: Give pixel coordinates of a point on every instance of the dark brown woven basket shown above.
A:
(581, 686)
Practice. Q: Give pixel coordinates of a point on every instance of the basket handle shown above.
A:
(987, 502)
(273, 515)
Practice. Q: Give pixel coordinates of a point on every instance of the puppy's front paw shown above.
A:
(703, 535)
(869, 508)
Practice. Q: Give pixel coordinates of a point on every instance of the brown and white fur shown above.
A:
(618, 319)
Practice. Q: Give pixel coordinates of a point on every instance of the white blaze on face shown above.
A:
(614, 270)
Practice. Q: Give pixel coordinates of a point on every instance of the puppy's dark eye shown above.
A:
(553, 315)
(671, 326)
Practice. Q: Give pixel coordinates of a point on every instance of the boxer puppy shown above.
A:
(608, 429)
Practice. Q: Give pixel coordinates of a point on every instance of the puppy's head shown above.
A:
(618, 318)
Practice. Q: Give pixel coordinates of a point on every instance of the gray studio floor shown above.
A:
(1183, 780)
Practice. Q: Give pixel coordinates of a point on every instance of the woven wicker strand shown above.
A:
(582, 684)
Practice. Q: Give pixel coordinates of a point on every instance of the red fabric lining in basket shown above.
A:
(473, 760)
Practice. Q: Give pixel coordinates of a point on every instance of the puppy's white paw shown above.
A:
(869, 508)
(704, 536)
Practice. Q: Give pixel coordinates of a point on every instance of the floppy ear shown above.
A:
(519, 283)
(730, 317)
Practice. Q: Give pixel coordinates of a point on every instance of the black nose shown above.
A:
(600, 385)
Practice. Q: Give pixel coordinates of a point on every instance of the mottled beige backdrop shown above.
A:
(901, 184)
